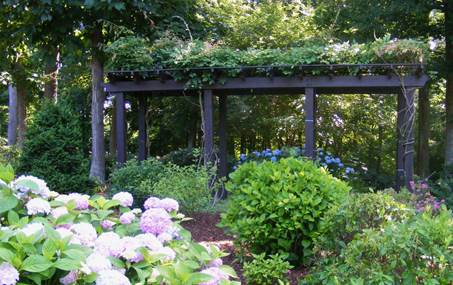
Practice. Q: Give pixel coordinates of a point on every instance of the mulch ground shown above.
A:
(203, 227)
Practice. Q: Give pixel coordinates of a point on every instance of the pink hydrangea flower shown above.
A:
(125, 199)
(169, 205)
(58, 212)
(217, 276)
(155, 221)
(216, 263)
(8, 274)
(131, 246)
(127, 218)
(152, 202)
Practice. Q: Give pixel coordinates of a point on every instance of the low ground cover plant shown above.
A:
(51, 238)
(267, 270)
(415, 251)
(277, 207)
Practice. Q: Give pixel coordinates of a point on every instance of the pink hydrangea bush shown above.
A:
(77, 239)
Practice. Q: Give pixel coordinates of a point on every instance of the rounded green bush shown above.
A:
(277, 207)
(356, 214)
(133, 174)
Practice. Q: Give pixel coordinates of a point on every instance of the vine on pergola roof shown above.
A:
(199, 64)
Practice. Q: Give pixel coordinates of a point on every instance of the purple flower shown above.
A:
(70, 278)
(131, 247)
(125, 199)
(155, 221)
(8, 274)
(84, 234)
(80, 200)
(127, 218)
(107, 225)
(216, 263)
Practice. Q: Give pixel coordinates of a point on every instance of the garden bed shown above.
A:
(203, 227)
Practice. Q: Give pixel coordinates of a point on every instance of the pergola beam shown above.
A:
(383, 82)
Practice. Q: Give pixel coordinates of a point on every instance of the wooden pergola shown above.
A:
(370, 79)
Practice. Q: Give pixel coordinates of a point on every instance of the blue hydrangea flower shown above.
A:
(340, 165)
(273, 159)
(243, 156)
(349, 170)
(277, 152)
(257, 153)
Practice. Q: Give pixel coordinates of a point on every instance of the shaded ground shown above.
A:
(203, 228)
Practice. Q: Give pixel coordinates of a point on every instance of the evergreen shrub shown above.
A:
(264, 270)
(53, 149)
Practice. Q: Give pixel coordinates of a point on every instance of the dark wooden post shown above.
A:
(208, 130)
(310, 100)
(120, 129)
(405, 147)
(142, 151)
(223, 163)
(423, 132)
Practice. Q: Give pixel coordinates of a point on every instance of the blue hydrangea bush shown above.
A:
(51, 238)
(323, 158)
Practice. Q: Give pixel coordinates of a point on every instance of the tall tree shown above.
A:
(448, 9)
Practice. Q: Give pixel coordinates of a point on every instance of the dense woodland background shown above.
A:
(58, 50)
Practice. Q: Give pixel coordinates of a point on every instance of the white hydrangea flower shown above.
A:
(84, 234)
(38, 206)
(150, 241)
(111, 277)
(168, 252)
(32, 229)
(19, 185)
(63, 232)
(109, 244)
(58, 212)
(8, 274)
(96, 262)
(125, 199)
(131, 246)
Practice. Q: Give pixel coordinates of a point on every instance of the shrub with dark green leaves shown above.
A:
(132, 174)
(186, 184)
(358, 213)
(276, 207)
(183, 157)
(415, 251)
(264, 270)
(53, 149)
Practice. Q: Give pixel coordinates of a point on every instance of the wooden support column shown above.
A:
(423, 132)
(142, 133)
(208, 127)
(310, 110)
(223, 163)
(405, 146)
(120, 129)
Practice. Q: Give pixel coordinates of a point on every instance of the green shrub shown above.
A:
(277, 207)
(356, 214)
(183, 157)
(133, 174)
(53, 149)
(264, 270)
(415, 251)
(186, 184)
(8, 154)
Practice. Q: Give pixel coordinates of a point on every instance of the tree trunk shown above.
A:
(51, 70)
(12, 115)
(21, 112)
(423, 133)
(449, 89)
(97, 169)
